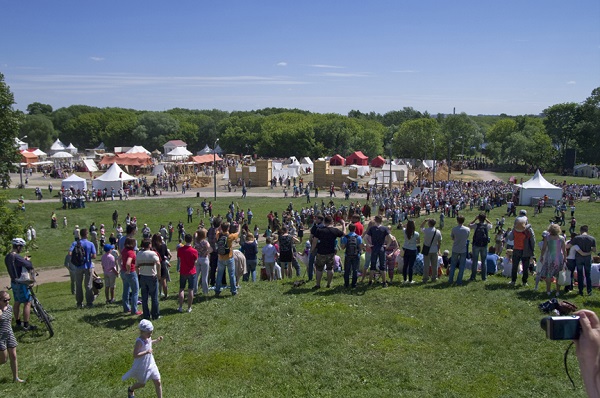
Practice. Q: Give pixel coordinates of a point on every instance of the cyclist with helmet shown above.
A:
(15, 264)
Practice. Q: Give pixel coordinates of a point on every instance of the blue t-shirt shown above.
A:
(89, 248)
(491, 262)
(359, 240)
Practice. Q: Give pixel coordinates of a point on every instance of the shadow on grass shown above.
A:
(111, 320)
(33, 336)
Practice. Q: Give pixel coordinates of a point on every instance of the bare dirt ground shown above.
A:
(61, 274)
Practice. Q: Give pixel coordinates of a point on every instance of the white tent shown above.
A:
(71, 149)
(113, 178)
(90, 165)
(179, 153)
(61, 155)
(74, 181)
(39, 153)
(57, 146)
(158, 169)
(418, 191)
(291, 160)
(361, 170)
(205, 151)
(139, 149)
(536, 188)
(306, 160)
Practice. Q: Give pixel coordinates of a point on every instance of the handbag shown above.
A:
(426, 248)
(564, 278)
(25, 277)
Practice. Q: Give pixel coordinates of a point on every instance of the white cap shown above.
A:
(146, 326)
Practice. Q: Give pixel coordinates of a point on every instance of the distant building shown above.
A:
(585, 170)
(169, 146)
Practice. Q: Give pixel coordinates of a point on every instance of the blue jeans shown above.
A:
(584, 264)
(459, 259)
(311, 265)
(230, 265)
(351, 264)
(149, 287)
(479, 252)
(251, 267)
(378, 253)
(131, 288)
(516, 258)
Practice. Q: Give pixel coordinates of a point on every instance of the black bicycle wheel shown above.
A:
(43, 315)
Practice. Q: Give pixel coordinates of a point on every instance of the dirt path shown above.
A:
(46, 275)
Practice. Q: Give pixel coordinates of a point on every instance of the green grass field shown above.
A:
(479, 340)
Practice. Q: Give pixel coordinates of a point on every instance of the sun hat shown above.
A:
(146, 326)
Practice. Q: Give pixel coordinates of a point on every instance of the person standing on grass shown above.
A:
(460, 238)
(432, 238)
(8, 342)
(187, 256)
(144, 367)
(286, 251)
(311, 258)
(250, 250)
(269, 257)
(148, 265)
(411, 241)
(481, 239)
(109, 267)
(352, 244)
(379, 236)
(523, 248)
(83, 273)
(211, 237)
(160, 247)
(14, 265)
(324, 242)
(583, 261)
(553, 257)
(129, 276)
(225, 240)
(202, 265)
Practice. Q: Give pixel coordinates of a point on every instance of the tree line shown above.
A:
(511, 142)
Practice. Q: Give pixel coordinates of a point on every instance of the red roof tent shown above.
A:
(177, 143)
(202, 159)
(337, 160)
(378, 162)
(357, 158)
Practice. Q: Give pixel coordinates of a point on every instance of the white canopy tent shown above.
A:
(158, 169)
(61, 155)
(138, 149)
(75, 182)
(90, 165)
(113, 178)
(179, 153)
(58, 146)
(39, 153)
(306, 160)
(71, 149)
(361, 170)
(537, 187)
(383, 177)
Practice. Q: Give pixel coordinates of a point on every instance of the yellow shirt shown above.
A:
(230, 239)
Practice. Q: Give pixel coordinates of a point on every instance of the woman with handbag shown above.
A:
(554, 254)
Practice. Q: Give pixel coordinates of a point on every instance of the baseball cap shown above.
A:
(108, 247)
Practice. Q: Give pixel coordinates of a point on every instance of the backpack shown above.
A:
(480, 237)
(78, 257)
(222, 248)
(352, 246)
(285, 244)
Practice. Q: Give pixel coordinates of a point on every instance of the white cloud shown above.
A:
(282, 63)
(404, 71)
(338, 74)
(571, 82)
(327, 66)
(97, 59)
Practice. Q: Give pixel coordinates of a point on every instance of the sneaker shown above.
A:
(315, 287)
(511, 283)
(29, 327)
(179, 309)
(525, 284)
(384, 285)
(189, 309)
(411, 282)
(137, 313)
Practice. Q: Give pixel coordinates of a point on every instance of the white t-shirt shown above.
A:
(269, 252)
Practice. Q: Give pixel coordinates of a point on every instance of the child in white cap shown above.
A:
(144, 368)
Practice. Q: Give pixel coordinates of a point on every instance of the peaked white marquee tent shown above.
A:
(113, 178)
(139, 149)
(538, 187)
(74, 181)
(179, 153)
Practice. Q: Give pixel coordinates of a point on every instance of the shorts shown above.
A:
(20, 292)
(109, 280)
(189, 279)
(7, 340)
(285, 264)
(324, 261)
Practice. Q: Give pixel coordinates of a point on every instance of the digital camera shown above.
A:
(561, 327)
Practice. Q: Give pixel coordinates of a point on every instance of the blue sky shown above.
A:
(481, 57)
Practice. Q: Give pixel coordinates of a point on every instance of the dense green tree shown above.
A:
(369, 138)
(38, 108)
(460, 134)
(11, 224)
(9, 130)
(560, 122)
(399, 117)
(39, 131)
(588, 129)
(415, 138)
(159, 126)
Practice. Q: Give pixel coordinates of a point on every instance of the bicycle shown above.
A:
(37, 308)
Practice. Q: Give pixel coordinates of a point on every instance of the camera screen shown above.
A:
(565, 329)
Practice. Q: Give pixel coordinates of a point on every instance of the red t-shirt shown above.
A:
(187, 256)
(359, 228)
(125, 255)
